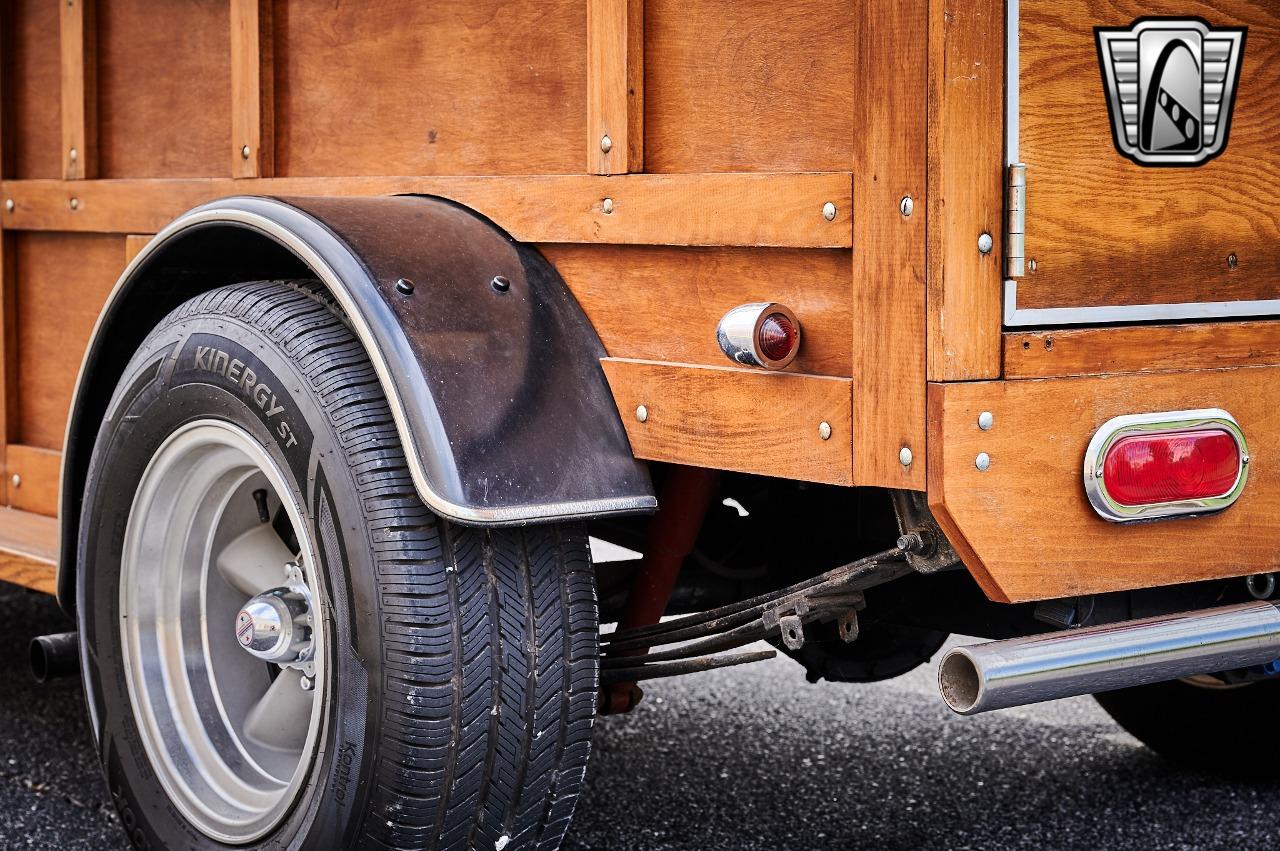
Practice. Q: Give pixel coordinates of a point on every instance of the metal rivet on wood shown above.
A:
(824, 430)
(642, 413)
(828, 211)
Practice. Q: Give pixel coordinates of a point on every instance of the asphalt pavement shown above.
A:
(745, 758)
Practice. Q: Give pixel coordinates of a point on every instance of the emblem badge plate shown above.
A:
(1171, 85)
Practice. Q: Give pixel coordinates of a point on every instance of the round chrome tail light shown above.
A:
(764, 334)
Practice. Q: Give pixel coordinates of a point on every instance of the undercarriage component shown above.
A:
(1019, 671)
(926, 547)
(781, 614)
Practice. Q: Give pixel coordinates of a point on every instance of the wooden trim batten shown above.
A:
(889, 254)
(252, 90)
(615, 86)
(79, 89)
(773, 210)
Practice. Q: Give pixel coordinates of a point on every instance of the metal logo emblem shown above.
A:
(1171, 84)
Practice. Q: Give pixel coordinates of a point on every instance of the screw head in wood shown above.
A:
(904, 456)
(1232, 261)
(986, 420)
(985, 243)
(828, 211)
(1032, 264)
(906, 206)
(607, 205)
(642, 413)
(245, 152)
(74, 203)
(74, 155)
(9, 205)
(824, 430)
(606, 144)
(16, 481)
(982, 462)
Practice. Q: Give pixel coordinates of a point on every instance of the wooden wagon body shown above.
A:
(849, 158)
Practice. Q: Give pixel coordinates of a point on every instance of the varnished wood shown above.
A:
(32, 107)
(663, 303)
(1025, 526)
(751, 421)
(62, 281)
(38, 471)
(782, 210)
(1144, 348)
(615, 86)
(443, 87)
(164, 85)
(889, 259)
(252, 89)
(28, 550)
(8, 349)
(79, 46)
(966, 177)
(750, 85)
(133, 243)
(1105, 231)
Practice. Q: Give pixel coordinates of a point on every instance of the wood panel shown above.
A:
(966, 195)
(746, 420)
(38, 476)
(715, 209)
(749, 86)
(253, 144)
(164, 87)
(661, 303)
(62, 281)
(615, 86)
(134, 243)
(1150, 235)
(79, 49)
(31, 72)
(1025, 526)
(1146, 348)
(29, 550)
(448, 87)
(889, 258)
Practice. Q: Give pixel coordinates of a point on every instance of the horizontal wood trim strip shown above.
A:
(29, 550)
(1148, 348)
(745, 420)
(1025, 526)
(39, 472)
(783, 210)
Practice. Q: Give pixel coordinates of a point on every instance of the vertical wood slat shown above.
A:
(79, 89)
(252, 94)
(889, 165)
(966, 187)
(615, 86)
(8, 352)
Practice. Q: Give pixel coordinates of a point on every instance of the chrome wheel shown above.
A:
(223, 643)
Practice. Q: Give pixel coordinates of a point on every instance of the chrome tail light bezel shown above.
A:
(1203, 419)
(738, 334)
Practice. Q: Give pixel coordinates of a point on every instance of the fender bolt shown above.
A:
(404, 286)
(500, 283)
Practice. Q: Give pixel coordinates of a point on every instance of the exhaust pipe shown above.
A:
(54, 656)
(1018, 671)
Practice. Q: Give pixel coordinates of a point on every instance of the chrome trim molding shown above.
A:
(499, 516)
(1117, 427)
(1015, 317)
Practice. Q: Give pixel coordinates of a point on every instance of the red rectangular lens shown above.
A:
(1144, 469)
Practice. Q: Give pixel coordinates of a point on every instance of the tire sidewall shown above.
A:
(186, 371)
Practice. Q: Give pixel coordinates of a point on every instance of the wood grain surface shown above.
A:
(1143, 348)
(78, 43)
(1106, 231)
(39, 477)
(662, 303)
(252, 89)
(782, 210)
(752, 85)
(29, 550)
(747, 420)
(1025, 527)
(615, 86)
(31, 73)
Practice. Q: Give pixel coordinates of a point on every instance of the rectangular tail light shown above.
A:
(1169, 464)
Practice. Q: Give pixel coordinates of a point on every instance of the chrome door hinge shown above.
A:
(1015, 222)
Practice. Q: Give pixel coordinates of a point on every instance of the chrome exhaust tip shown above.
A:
(1019, 671)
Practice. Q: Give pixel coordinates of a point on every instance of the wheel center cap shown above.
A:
(275, 626)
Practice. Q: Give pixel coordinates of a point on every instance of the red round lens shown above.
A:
(778, 337)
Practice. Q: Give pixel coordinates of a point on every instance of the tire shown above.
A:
(1219, 729)
(450, 676)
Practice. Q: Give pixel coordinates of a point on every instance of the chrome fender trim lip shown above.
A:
(1118, 427)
